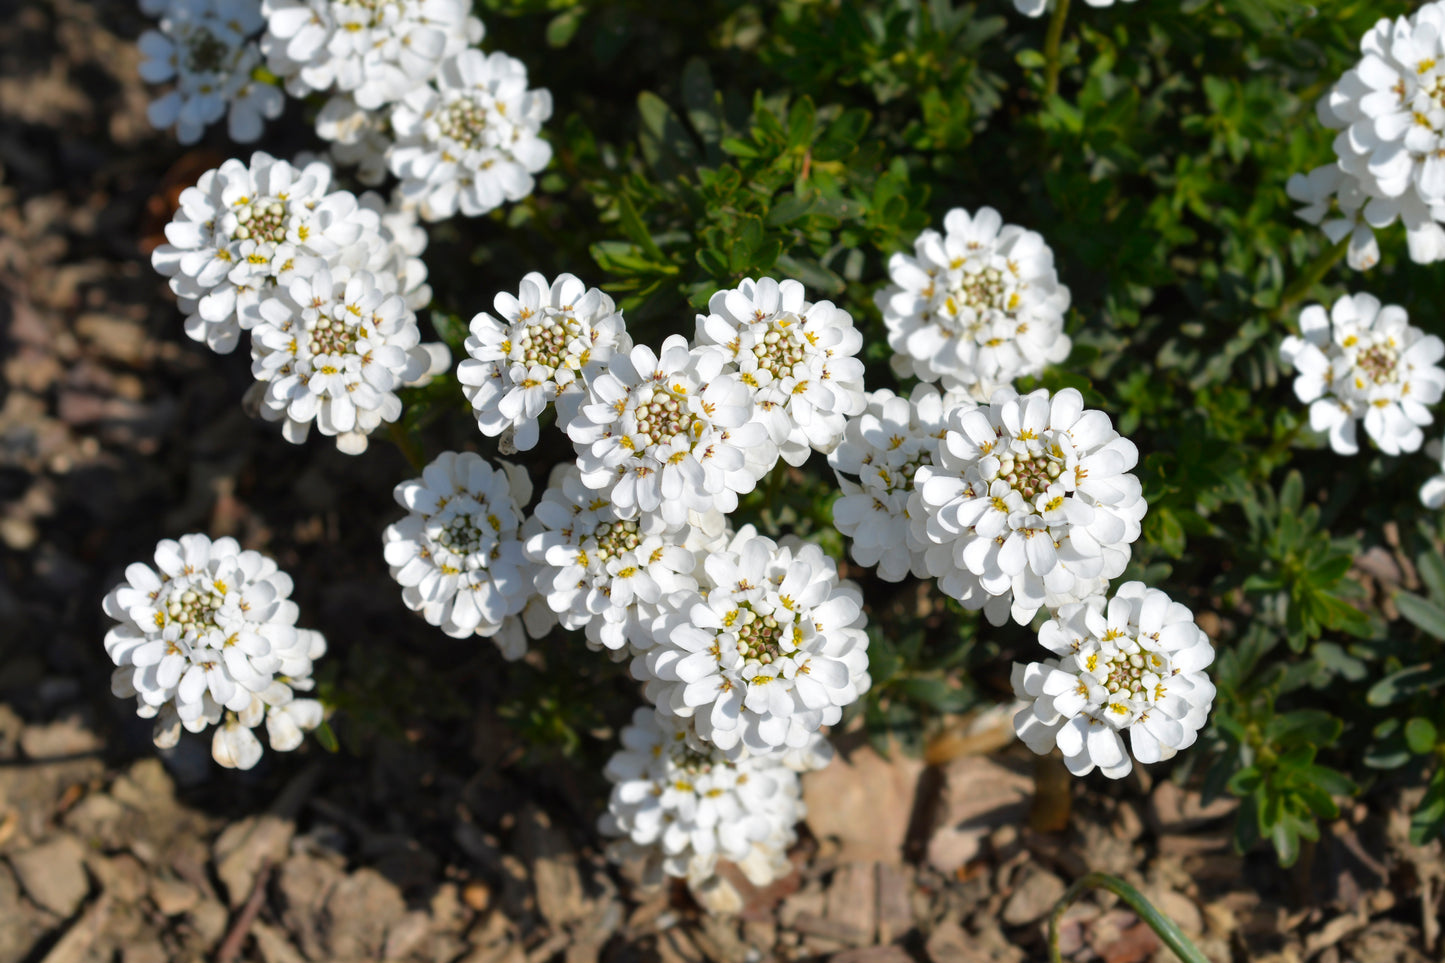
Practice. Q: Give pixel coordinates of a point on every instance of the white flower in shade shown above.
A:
(468, 140)
(975, 307)
(668, 433)
(766, 655)
(1364, 362)
(1432, 493)
(1329, 190)
(1029, 503)
(1132, 664)
(207, 634)
(546, 345)
(875, 465)
(202, 47)
(332, 349)
(1035, 8)
(797, 358)
(683, 807)
(359, 137)
(602, 573)
(375, 52)
(244, 229)
(458, 554)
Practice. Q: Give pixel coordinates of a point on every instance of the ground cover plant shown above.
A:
(746, 373)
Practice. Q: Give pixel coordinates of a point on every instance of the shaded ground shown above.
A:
(442, 838)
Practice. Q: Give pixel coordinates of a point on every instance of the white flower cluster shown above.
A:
(682, 805)
(327, 283)
(547, 346)
(1035, 8)
(209, 637)
(975, 307)
(410, 93)
(459, 556)
(1029, 503)
(207, 51)
(1389, 110)
(1365, 363)
(1132, 664)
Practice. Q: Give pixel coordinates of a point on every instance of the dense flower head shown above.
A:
(601, 572)
(244, 229)
(332, 349)
(796, 357)
(458, 555)
(467, 140)
(204, 48)
(667, 433)
(768, 650)
(975, 307)
(875, 464)
(1364, 362)
(1130, 664)
(684, 806)
(209, 632)
(1029, 503)
(543, 347)
(1390, 112)
(376, 51)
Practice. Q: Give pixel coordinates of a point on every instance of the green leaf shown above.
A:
(666, 144)
(563, 27)
(326, 738)
(1422, 612)
(1420, 735)
(1404, 683)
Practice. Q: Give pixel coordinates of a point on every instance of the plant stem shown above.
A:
(1051, 47)
(1313, 272)
(407, 446)
(1170, 934)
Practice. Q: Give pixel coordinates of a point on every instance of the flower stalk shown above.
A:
(1162, 926)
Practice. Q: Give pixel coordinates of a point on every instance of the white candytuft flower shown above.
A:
(976, 307)
(1028, 503)
(332, 349)
(1035, 8)
(244, 229)
(468, 140)
(1134, 663)
(377, 52)
(769, 651)
(600, 572)
(668, 433)
(875, 465)
(204, 48)
(1328, 190)
(210, 633)
(547, 344)
(400, 242)
(1432, 493)
(796, 357)
(359, 137)
(458, 555)
(1364, 362)
(683, 807)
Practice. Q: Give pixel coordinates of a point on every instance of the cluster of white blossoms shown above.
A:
(769, 649)
(327, 283)
(1131, 664)
(549, 342)
(975, 307)
(1389, 110)
(681, 805)
(1365, 363)
(208, 637)
(1035, 8)
(206, 51)
(458, 554)
(1029, 503)
(796, 358)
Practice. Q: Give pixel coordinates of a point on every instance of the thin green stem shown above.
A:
(1170, 934)
(1051, 47)
(1314, 272)
(407, 445)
